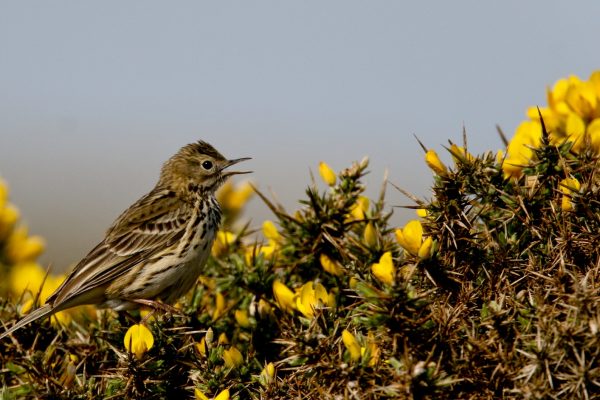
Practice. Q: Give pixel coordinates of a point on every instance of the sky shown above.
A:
(95, 96)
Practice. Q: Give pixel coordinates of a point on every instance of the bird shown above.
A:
(156, 249)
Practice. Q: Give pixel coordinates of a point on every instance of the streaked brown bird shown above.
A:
(157, 248)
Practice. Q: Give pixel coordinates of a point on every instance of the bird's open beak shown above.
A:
(232, 162)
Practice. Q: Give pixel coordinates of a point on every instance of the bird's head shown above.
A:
(198, 167)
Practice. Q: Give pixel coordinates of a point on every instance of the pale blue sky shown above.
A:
(94, 96)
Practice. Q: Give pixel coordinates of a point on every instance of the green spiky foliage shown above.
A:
(505, 304)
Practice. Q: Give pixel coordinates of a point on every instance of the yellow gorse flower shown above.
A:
(572, 115)
(3, 193)
(201, 347)
(370, 235)
(520, 149)
(222, 242)
(434, 162)
(384, 270)
(568, 186)
(270, 231)
(273, 237)
(331, 266)
(327, 174)
(220, 306)
(241, 317)
(312, 297)
(425, 249)
(21, 248)
(240, 196)
(199, 395)
(267, 375)
(360, 208)
(138, 340)
(223, 339)
(9, 215)
(351, 345)
(459, 154)
(232, 357)
(233, 199)
(284, 296)
(372, 351)
(28, 278)
(224, 395)
(410, 237)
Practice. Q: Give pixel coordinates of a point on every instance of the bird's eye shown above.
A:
(207, 165)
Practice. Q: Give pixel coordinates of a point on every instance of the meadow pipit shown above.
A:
(158, 247)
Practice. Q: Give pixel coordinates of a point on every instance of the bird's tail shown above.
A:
(41, 312)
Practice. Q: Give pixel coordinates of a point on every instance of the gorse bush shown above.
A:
(490, 292)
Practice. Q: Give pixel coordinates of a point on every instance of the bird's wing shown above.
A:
(153, 224)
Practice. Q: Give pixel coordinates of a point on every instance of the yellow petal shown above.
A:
(327, 174)
(225, 191)
(410, 237)
(384, 270)
(333, 267)
(138, 340)
(241, 317)
(351, 345)
(425, 249)
(321, 295)
(219, 306)
(199, 395)
(581, 97)
(264, 308)
(239, 197)
(270, 231)
(421, 212)
(3, 193)
(50, 285)
(360, 208)
(222, 242)
(306, 301)
(267, 375)
(201, 347)
(558, 92)
(567, 187)
(26, 307)
(595, 81)
(513, 168)
(21, 248)
(9, 215)
(224, 395)
(593, 132)
(576, 131)
(528, 135)
(370, 235)
(434, 162)
(62, 318)
(232, 357)
(459, 154)
(283, 295)
(26, 276)
(223, 339)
